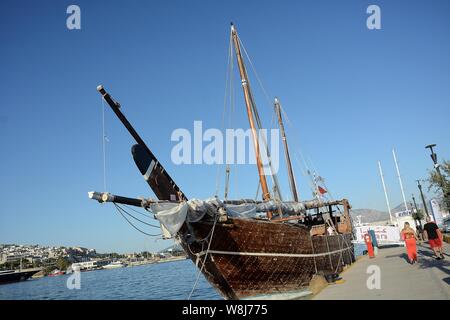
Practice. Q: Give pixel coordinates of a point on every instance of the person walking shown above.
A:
(434, 236)
(409, 236)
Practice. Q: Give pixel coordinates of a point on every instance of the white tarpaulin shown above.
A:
(173, 215)
(246, 210)
(251, 210)
(170, 215)
(384, 234)
(198, 208)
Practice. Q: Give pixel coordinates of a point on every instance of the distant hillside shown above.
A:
(401, 207)
(369, 215)
(175, 247)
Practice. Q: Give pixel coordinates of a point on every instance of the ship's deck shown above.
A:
(427, 279)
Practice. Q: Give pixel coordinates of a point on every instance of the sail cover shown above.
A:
(245, 210)
(170, 215)
(173, 215)
(251, 210)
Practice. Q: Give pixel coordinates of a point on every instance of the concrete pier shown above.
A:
(427, 279)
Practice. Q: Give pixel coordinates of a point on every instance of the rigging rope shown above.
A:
(270, 254)
(131, 224)
(256, 74)
(314, 186)
(224, 105)
(206, 256)
(273, 176)
(232, 102)
(303, 163)
(130, 215)
(104, 144)
(141, 213)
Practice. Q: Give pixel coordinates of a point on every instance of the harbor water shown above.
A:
(159, 281)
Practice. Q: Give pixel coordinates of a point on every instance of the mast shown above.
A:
(400, 180)
(385, 192)
(286, 152)
(248, 103)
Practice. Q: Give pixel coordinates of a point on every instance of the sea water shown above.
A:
(158, 281)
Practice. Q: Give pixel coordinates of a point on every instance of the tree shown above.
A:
(62, 263)
(441, 186)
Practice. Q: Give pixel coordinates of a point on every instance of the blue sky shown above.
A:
(352, 94)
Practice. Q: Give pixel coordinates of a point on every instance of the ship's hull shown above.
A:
(16, 276)
(115, 266)
(249, 258)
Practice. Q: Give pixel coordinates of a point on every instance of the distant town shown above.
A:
(49, 258)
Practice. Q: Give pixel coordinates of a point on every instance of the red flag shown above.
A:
(322, 190)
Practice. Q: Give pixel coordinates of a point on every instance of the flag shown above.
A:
(322, 190)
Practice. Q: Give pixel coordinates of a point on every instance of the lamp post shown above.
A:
(436, 166)
(417, 210)
(423, 198)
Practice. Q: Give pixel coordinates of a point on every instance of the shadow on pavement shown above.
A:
(428, 261)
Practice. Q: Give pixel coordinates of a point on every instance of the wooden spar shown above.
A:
(159, 180)
(248, 102)
(108, 197)
(311, 204)
(286, 152)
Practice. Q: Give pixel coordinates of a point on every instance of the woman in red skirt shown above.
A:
(409, 236)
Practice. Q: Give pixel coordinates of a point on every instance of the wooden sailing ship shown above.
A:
(246, 256)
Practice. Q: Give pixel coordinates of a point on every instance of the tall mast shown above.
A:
(385, 192)
(286, 151)
(248, 103)
(400, 180)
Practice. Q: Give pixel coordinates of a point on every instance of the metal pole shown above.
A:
(415, 204)
(400, 180)
(417, 209)
(423, 198)
(385, 192)
(436, 166)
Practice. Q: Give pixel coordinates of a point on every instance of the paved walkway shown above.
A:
(427, 279)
